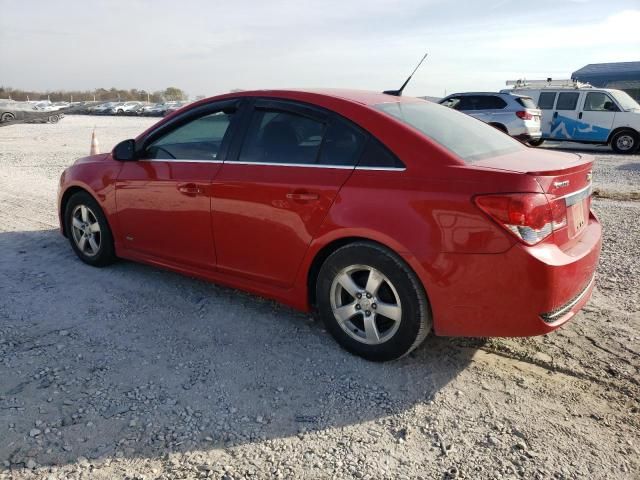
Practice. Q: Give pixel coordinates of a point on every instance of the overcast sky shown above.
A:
(209, 47)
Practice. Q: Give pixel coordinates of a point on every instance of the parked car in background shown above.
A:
(103, 108)
(124, 108)
(175, 106)
(515, 115)
(157, 110)
(323, 199)
(577, 112)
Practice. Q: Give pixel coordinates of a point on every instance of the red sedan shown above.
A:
(393, 216)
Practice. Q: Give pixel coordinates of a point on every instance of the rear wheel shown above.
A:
(372, 302)
(7, 117)
(88, 230)
(625, 141)
(536, 142)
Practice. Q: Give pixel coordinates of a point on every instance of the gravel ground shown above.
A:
(131, 372)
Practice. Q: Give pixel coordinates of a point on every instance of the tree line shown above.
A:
(99, 94)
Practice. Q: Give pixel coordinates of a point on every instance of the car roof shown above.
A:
(464, 94)
(363, 97)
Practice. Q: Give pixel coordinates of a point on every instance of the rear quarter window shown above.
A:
(526, 102)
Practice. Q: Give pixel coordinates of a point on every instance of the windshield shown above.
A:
(625, 101)
(470, 139)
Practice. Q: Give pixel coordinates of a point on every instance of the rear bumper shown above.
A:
(523, 292)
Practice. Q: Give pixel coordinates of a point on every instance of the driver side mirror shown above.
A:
(125, 151)
(610, 107)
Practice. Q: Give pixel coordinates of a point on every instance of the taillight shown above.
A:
(531, 217)
(524, 115)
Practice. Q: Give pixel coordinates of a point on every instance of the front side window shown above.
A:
(199, 139)
(599, 102)
(466, 137)
(567, 100)
(282, 137)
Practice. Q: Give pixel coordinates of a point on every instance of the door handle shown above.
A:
(302, 196)
(580, 115)
(190, 189)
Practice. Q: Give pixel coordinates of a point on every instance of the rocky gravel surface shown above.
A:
(131, 372)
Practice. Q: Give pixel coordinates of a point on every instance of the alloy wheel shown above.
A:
(86, 230)
(365, 304)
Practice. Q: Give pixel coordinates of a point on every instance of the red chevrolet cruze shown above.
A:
(392, 216)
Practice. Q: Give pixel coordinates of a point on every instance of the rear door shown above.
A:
(596, 117)
(272, 195)
(564, 123)
(163, 199)
(546, 103)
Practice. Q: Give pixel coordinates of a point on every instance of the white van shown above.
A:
(577, 112)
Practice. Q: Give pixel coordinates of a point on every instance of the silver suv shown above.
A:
(515, 115)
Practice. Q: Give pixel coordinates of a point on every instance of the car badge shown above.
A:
(564, 183)
(589, 176)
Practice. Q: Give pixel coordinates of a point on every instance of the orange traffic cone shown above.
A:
(95, 147)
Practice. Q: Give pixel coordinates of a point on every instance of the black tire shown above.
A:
(415, 319)
(53, 119)
(536, 143)
(7, 117)
(105, 254)
(625, 141)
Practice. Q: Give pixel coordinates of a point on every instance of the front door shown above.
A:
(270, 200)
(597, 117)
(163, 199)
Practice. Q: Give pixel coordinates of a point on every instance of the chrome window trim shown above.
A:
(178, 160)
(275, 164)
(307, 165)
(382, 169)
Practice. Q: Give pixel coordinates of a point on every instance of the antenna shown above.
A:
(398, 93)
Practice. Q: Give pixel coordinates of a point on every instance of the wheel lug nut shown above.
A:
(358, 307)
(367, 313)
(374, 305)
(368, 295)
(358, 295)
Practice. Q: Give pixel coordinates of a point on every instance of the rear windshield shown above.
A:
(526, 102)
(470, 139)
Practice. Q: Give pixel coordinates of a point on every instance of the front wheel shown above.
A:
(372, 303)
(536, 143)
(88, 230)
(625, 141)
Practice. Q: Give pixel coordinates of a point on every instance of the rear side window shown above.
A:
(489, 102)
(376, 155)
(546, 100)
(466, 137)
(342, 144)
(282, 137)
(452, 102)
(526, 102)
(567, 100)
